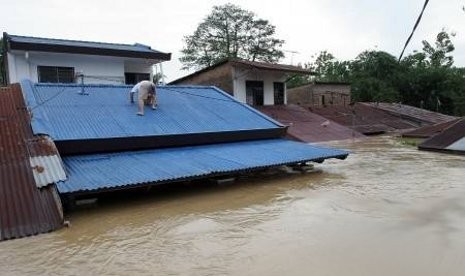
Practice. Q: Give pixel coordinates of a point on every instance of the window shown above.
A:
(133, 78)
(278, 93)
(55, 74)
(254, 92)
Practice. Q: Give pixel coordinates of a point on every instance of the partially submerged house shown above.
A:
(378, 118)
(320, 94)
(450, 140)
(48, 60)
(106, 146)
(264, 86)
(251, 82)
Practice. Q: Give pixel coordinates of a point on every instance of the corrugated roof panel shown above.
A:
(450, 139)
(24, 209)
(109, 171)
(47, 170)
(307, 126)
(105, 112)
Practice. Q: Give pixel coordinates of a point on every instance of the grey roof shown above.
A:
(80, 46)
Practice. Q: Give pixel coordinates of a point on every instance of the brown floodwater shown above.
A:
(386, 210)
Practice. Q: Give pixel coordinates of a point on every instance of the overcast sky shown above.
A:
(343, 27)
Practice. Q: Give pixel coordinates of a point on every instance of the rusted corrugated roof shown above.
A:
(307, 126)
(412, 113)
(428, 131)
(365, 118)
(451, 139)
(25, 209)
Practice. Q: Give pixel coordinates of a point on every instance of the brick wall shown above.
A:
(220, 77)
(319, 95)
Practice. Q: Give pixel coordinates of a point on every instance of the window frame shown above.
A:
(58, 76)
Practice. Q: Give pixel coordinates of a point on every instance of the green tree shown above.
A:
(438, 55)
(231, 32)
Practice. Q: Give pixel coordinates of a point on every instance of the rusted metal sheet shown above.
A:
(365, 118)
(412, 113)
(451, 139)
(307, 126)
(25, 209)
(428, 131)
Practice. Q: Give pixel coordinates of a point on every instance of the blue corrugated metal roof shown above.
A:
(79, 43)
(114, 170)
(60, 111)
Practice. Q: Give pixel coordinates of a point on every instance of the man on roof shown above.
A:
(146, 94)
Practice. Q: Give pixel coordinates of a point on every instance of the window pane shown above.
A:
(65, 74)
(55, 74)
(47, 74)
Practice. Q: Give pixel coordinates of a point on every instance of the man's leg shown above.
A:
(131, 97)
(141, 107)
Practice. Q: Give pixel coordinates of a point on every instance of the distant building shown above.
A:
(254, 83)
(49, 60)
(320, 94)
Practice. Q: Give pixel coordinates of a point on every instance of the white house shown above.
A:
(254, 83)
(65, 61)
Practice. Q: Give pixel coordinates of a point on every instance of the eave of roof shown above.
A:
(95, 173)
(245, 63)
(25, 43)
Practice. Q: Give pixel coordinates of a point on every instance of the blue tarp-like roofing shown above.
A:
(88, 173)
(63, 113)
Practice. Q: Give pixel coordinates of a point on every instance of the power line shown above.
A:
(414, 28)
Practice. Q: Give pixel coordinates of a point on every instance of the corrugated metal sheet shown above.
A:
(24, 209)
(365, 118)
(428, 131)
(80, 43)
(451, 139)
(307, 126)
(47, 170)
(412, 113)
(63, 113)
(109, 171)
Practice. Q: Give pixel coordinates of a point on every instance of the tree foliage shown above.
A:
(425, 78)
(231, 32)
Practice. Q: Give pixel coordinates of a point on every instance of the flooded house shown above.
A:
(449, 140)
(320, 94)
(263, 85)
(70, 136)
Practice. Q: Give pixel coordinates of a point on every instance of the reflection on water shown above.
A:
(386, 210)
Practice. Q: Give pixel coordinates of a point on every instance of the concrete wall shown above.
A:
(241, 75)
(99, 69)
(319, 95)
(220, 77)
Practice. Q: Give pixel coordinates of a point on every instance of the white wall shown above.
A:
(99, 69)
(240, 76)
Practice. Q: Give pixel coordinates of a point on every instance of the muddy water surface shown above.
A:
(386, 210)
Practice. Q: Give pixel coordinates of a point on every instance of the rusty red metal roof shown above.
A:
(451, 139)
(25, 209)
(307, 126)
(412, 113)
(428, 131)
(365, 118)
